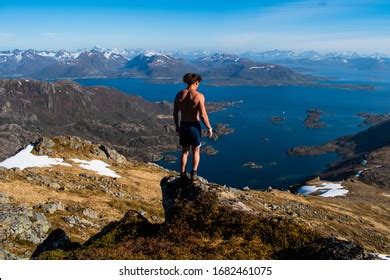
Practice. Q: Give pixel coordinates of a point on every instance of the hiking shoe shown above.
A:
(183, 176)
(194, 176)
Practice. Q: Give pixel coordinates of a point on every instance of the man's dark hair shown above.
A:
(191, 78)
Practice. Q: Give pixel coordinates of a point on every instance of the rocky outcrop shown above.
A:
(57, 239)
(176, 190)
(22, 223)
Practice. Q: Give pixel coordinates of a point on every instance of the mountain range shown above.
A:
(259, 68)
(217, 68)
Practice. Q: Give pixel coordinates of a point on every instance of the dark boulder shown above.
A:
(57, 239)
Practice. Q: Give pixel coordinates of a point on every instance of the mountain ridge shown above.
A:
(99, 62)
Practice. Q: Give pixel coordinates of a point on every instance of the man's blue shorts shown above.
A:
(190, 134)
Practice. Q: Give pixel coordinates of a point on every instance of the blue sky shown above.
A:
(232, 26)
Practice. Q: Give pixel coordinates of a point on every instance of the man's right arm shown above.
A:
(176, 114)
(203, 114)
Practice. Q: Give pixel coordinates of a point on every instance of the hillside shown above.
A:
(36, 200)
(121, 210)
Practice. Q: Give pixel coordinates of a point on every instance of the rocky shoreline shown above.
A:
(373, 118)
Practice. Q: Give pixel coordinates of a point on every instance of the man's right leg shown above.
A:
(184, 158)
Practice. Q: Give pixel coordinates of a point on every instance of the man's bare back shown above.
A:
(189, 104)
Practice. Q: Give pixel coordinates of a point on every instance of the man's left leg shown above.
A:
(183, 160)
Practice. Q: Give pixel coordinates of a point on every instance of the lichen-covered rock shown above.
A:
(89, 213)
(112, 154)
(5, 255)
(22, 223)
(4, 198)
(52, 206)
(44, 146)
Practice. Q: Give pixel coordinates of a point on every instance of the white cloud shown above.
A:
(51, 35)
(5, 35)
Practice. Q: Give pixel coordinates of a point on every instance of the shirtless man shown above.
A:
(191, 105)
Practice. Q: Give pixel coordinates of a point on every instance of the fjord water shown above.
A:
(252, 122)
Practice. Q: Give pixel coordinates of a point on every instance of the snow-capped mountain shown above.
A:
(249, 67)
(286, 54)
(157, 65)
(342, 65)
(192, 55)
(269, 55)
(59, 64)
(221, 65)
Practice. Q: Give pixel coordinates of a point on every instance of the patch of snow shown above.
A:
(262, 67)
(256, 67)
(360, 172)
(383, 257)
(306, 190)
(334, 193)
(325, 189)
(6, 54)
(98, 166)
(160, 62)
(18, 57)
(47, 54)
(107, 55)
(24, 159)
(151, 53)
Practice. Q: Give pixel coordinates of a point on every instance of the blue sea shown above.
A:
(251, 120)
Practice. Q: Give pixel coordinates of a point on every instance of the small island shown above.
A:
(277, 119)
(313, 119)
(209, 150)
(219, 130)
(313, 150)
(252, 165)
(170, 158)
